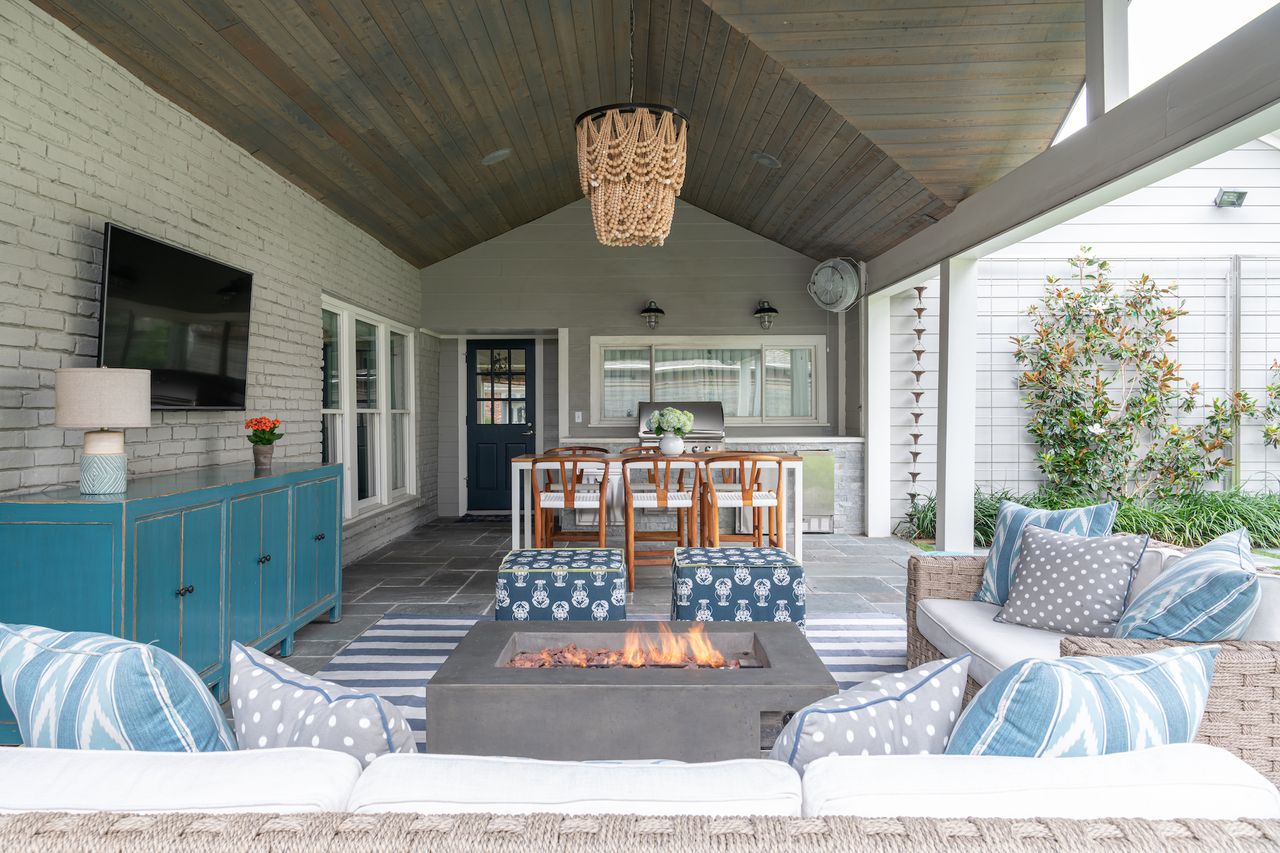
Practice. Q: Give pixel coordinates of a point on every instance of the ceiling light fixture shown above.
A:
(767, 160)
(1230, 198)
(631, 159)
(495, 157)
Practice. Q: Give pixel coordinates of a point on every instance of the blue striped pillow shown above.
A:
(1210, 594)
(1006, 542)
(1088, 706)
(80, 690)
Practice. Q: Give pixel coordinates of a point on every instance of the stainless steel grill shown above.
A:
(708, 425)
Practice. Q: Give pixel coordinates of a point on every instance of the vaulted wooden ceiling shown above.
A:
(384, 109)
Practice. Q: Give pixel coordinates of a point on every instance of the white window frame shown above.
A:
(817, 343)
(344, 436)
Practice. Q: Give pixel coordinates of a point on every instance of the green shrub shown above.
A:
(1188, 520)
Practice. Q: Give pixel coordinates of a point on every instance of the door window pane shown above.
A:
(366, 365)
(329, 349)
(730, 376)
(366, 456)
(788, 383)
(626, 382)
(399, 347)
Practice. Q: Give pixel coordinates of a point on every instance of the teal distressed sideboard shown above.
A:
(189, 561)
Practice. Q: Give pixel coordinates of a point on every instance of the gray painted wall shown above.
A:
(552, 273)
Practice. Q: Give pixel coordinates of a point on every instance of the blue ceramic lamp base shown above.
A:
(103, 473)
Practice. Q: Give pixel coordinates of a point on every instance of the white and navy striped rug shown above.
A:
(399, 653)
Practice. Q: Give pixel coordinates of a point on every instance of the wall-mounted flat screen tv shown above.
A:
(181, 316)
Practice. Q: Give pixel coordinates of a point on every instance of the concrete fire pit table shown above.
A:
(476, 705)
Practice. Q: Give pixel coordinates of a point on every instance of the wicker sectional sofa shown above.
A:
(1243, 711)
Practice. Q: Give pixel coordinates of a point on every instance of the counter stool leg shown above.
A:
(629, 523)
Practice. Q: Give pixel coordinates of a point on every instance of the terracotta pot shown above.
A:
(262, 456)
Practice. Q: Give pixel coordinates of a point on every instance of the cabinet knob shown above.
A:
(185, 590)
(265, 558)
(319, 537)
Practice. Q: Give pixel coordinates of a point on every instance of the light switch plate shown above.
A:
(577, 417)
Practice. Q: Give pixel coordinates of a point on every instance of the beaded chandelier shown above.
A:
(631, 161)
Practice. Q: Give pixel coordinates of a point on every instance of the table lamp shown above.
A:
(105, 401)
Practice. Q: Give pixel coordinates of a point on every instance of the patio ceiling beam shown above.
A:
(1222, 98)
(1106, 55)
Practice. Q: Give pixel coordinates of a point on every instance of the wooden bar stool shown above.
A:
(640, 450)
(665, 483)
(568, 482)
(577, 450)
(736, 481)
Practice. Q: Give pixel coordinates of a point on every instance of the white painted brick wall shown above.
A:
(82, 142)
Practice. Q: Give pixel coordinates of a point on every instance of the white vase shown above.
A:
(671, 445)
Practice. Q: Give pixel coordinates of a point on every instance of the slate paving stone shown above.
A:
(449, 568)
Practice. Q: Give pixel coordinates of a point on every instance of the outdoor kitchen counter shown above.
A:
(522, 497)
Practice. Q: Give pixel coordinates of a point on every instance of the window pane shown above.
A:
(517, 385)
(517, 360)
(366, 365)
(399, 347)
(626, 382)
(484, 412)
(788, 383)
(331, 438)
(331, 396)
(399, 429)
(730, 376)
(366, 456)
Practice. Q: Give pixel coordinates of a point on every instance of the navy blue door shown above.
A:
(499, 418)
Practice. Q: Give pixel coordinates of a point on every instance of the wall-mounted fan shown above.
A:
(838, 283)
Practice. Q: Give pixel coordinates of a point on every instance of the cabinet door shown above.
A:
(244, 571)
(157, 562)
(316, 535)
(202, 645)
(66, 576)
(275, 568)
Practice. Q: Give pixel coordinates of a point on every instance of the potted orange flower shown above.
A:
(263, 437)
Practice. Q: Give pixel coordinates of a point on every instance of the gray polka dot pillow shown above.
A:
(272, 704)
(898, 714)
(1072, 584)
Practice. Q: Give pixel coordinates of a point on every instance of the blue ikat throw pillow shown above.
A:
(1088, 706)
(1006, 542)
(79, 690)
(1210, 594)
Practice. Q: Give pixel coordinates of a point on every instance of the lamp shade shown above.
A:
(102, 397)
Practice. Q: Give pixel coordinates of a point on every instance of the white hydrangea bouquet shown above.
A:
(671, 425)
(671, 420)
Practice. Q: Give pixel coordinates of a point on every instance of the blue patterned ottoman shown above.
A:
(737, 585)
(562, 584)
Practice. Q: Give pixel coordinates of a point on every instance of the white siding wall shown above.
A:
(1170, 231)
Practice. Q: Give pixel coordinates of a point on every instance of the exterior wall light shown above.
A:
(652, 314)
(1230, 198)
(765, 313)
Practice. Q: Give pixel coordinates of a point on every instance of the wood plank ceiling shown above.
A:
(384, 109)
(959, 92)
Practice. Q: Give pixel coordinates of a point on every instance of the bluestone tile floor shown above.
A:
(449, 566)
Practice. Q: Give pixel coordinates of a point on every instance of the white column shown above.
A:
(1106, 55)
(957, 401)
(876, 415)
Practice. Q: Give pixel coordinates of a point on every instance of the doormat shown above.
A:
(501, 518)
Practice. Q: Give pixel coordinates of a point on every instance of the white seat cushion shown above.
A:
(650, 499)
(279, 781)
(956, 627)
(1266, 620)
(453, 784)
(582, 499)
(1189, 780)
(733, 497)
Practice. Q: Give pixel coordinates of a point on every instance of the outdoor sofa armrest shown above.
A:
(1243, 712)
(931, 576)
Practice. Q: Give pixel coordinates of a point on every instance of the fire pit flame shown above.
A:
(692, 650)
